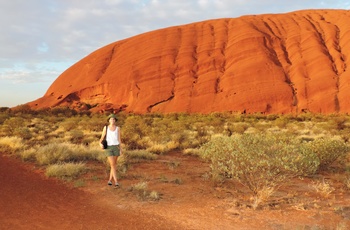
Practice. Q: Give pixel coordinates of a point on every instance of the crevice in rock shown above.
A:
(107, 63)
(149, 108)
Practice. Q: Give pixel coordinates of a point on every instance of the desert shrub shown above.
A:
(281, 122)
(62, 111)
(54, 153)
(202, 134)
(188, 139)
(216, 121)
(11, 124)
(328, 150)
(262, 126)
(28, 154)
(240, 127)
(173, 145)
(76, 136)
(66, 152)
(339, 122)
(159, 134)
(305, 116)
(134, 129)
(94, 123)
(11, 144)
(228, 129)
(22, 109)
(179, 137)
(23, 132)
(70, 123)
(259, 161)
(65, 170)
(5, 109)
(177, 126)
(4, 117)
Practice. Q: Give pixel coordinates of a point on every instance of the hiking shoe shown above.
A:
(117, 185)
(109, 183)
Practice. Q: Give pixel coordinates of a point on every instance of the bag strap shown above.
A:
(104, 138)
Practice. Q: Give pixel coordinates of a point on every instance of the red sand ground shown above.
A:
(28, 200)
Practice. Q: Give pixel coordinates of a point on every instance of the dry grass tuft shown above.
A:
(158, 148)
(323, 188)
(134, 155)
(262, 195)
(140, 189)
(191, 151)
(65, 170)
(11, 144)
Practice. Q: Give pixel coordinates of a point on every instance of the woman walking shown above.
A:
(113, 150)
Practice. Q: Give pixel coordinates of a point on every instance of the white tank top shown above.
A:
(112, 136)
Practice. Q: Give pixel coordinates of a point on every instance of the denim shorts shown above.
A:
(113, 150)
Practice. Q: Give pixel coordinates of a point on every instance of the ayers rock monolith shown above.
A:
(272, 63)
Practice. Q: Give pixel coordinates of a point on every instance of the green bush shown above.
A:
(11, 124)
(70, 123)
(259, 161)
(23, 132)
(328, 151)
(134, 128)
(94, 124)
(3, 117)
(62, 111)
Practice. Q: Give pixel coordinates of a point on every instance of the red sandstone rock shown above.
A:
(272, 63)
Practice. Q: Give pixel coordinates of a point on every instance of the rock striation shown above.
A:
(271, 63)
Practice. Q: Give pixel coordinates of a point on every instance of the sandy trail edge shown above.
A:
(28, 200)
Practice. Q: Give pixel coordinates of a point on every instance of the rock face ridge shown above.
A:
(271, 63)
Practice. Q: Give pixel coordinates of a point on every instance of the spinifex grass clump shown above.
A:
(65, 170)
(65, 152)
(11, 144)
(259, 161)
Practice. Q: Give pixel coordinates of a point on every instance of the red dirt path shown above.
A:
(28, 200)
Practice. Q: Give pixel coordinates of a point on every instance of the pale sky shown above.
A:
(40, 39)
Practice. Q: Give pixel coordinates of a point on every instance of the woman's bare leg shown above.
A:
(113, 164)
